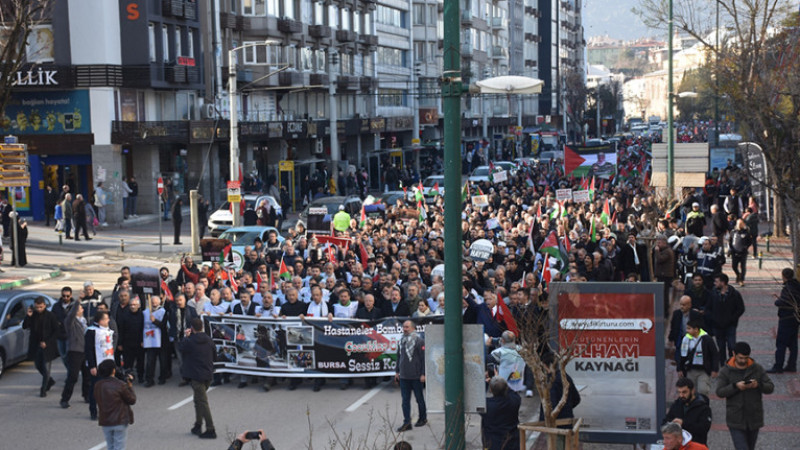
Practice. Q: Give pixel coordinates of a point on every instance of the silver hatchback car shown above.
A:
(13, 339)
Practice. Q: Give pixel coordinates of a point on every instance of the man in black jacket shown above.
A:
(131, 332)
(499, 422)
(788, 304)
(699, 359)
(680, 318)
(690, 411)
(42, 343)
(368, 311)
(60, 311)
(410, 374)
(725, 309)
(198, 366)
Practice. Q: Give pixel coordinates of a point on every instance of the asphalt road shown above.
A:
(331, 418)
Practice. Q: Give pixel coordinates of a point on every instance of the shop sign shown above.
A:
(47, 112)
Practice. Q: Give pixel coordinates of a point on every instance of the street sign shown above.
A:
(285, 166)
(234, 191)
(14, 166)
(415, 141)
(160, 185)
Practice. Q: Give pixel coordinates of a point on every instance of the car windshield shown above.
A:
(240, 237)
(430, 182)
(480, 171)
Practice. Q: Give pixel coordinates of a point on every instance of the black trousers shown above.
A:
(75, 367)
(151, 355)
(133, 355)
(177, 230)
(739, 265)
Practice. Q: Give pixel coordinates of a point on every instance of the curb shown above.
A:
(30, 280)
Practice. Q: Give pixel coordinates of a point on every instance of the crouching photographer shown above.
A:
(114, 399)
(248, 436)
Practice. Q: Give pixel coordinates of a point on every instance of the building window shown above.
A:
(319, 61)
(178, 42)
(255, 54)
(333, 13)
(288, 9)
(390, 16)
(391, 56)
(419, 51)
(306, 59)
(367, 23)
(254, 7)
(151, 33)
(345, 19)
(419, 14)
(391, 97)
(319, 13)
(164, 43)
(346, 63)
(356, 22)
(273, 8)
(306, 11)
(190, 42)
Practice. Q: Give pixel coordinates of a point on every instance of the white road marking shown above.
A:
(186, 400)
(365, 398)
(98, 446)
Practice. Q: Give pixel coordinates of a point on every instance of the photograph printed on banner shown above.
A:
(301, 359)
(225, 354)
(269, 347)
(222, 331)
(300, 335)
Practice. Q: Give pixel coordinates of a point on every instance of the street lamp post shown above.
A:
(234, 122)
(670, 123)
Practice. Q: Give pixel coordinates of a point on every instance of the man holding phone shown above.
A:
(198, 366)
(742, 382)
(248, 436)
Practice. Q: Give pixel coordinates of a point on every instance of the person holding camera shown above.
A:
(197, 351)
(114, 399)
(248, 436)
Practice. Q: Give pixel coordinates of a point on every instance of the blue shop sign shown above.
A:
(55, 112)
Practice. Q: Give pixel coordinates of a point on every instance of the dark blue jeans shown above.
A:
(744, 439)
(726, 338)
(406, 386)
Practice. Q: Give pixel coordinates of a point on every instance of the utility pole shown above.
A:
(453, 347)
(670, 123)
(333, 59)
(236, 207)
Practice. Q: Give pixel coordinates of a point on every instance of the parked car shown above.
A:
(241, 237)
(13, 339)
(222, 219)
(508, 166)
(546, 157)
(429, 183)
(480, 174)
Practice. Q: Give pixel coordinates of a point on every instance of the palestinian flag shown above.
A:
(491, 172)
(259, 278)
(363, 221)
(283, 272)
(465, 192)
(605, 215)
(225, 254)
(572, 160)
(420, 192)
(480, 192)
(422, 214)
(591, 190)
(435, 190)
(593, 231)
(587, 161)
(528, 181)
(550, 246)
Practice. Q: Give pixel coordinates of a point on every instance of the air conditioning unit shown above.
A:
(318, 147)
(207, 111)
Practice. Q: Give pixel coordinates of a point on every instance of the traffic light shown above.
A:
(418, 69)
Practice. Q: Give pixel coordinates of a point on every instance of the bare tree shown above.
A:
(576, 101)
(18, 18)
(755, 66)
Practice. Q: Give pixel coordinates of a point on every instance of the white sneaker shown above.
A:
(529, 393)
(104, 224)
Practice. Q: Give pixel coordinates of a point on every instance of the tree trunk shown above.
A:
(792, 209)
(778, 224)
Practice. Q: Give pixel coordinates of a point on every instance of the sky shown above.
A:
(601, 17)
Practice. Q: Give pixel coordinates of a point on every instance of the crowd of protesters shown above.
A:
(386, 269)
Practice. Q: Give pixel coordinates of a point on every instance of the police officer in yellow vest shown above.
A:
(341, 221)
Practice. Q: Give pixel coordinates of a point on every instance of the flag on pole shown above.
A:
(167, 292)
(232, 281)
(259, 278)
(283, 272)
(225, 254)
(524, 281)
(435, 190)
(465, 192)
(546, 275)
(593, 232)
(528, 181)
(422, 214)
(480, 192)
(591, 189)
(532, 232)
(605, 215)
(550, 246)
(363, 220)
(420, 192)
(504, 316)
(364, 256)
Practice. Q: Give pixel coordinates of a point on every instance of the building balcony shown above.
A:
(346, 36)
(290, 78)
(368, 83)
(370, 40)
(466, 50)
(291, 26)
(318, 79)
(172, 8)
(497, 23)
(348, 82)
(466, 17)
(319, 31)
(228, 20)
(498, 52)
